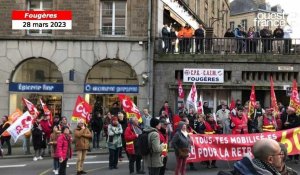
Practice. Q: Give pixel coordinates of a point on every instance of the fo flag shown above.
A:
(47, 112)
(180, 90)
(273, 98)
(31, 108)
(294, 99)
(252, 102)
(81, 110)
(192, 98)
(129, 107)
(21, 126)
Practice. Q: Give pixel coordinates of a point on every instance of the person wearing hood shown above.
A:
(182, 144)
(82, 143)
(154, 159)
(53, 142)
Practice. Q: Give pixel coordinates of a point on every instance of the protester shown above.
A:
(38, 140)
(190, 131)
(168, 111)
(114, 142)
(132, 132)
(255, 120)
(107, 121)
(123, 121)
(199, 125)
(26, 142)
(53, 142)
(115, 109)
(64, 122)
(5, 136)
(284, 169)
(146, 118)
(163, 135)
(64, 149)
(191, 117)
(154, 160)
(223, 119)
(211, 127)
(47, 128)
(97, 125)
(269, 121)
(267, 156)
(82, 143)
(181, 143)
(239, 123)
(206, 109)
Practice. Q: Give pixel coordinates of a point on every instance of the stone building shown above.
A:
(104, 54)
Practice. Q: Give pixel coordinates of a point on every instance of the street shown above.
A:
(95, 164)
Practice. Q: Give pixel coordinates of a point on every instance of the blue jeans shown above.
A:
(96, 139)
(55, 163)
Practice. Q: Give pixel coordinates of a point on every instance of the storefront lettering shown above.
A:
(44, 87)
(35, 87)
(93, 88)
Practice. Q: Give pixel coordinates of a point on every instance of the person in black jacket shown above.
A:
(173, 38)
(266, 36)
(38, 141)
(97, 125)
(278, 35)
(168, 111)
(199, 34)
(123, 122)
(4, 135)
(166, 38)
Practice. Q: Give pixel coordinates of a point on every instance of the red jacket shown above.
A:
(130, 136)
(62, 147)
(240, 124)
(164, 140)
(46, 127)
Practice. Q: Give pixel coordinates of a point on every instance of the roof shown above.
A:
(242, 6)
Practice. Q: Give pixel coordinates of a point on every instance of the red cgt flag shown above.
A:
(31, 108)
(294, 99)
(129, 107)
(232, 104)
(180, 90)
(47, 111)
(81, 110)
(273, 98)
(251, 102)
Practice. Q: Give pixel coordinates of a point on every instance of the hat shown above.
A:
(114, 118)
(180, 125)
(154, 122)
(163, 121)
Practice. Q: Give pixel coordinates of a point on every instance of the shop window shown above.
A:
(113, 18)
(38, 5)
(37, 70)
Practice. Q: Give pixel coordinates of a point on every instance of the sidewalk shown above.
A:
(18, 152)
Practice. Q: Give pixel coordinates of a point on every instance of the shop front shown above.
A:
(108, 78)
(33, 79)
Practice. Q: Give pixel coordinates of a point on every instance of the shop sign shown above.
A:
(110, 89)
(36, 87)
(203, 75)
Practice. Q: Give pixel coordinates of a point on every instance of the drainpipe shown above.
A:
(149, 62)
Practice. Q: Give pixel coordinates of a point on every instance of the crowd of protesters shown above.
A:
(238, 40)
(164, 131)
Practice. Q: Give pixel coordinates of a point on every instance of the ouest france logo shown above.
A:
(270, 19)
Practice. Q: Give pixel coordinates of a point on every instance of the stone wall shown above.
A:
(67, 55)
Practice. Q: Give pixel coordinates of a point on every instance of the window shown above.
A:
(213, 7)
(244, 24)
(113, 17)
(37, 5)
(231, 24)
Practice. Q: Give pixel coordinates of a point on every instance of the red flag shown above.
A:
(129, 107)
(200, 106)
(31, 108)
(180, 90)
(252, 102)
(273, 98)
(294, 99)
(232, 104)
(82, 110)
(47, 111)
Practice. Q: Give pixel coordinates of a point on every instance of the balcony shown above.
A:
(226, 49)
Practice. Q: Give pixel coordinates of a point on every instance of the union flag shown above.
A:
(273, 99)
(47, 111)
(31, 108)
(180, 90)
(129, 107)
(81, 110)
(252, 102)
(294, 99)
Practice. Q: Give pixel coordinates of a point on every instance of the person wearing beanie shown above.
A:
(154, 160)
(114, 142)
(182, 144)
(64, 149)
(82, 143)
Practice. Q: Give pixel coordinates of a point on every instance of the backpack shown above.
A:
(143, 147)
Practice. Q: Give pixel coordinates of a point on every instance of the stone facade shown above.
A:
(78, 55)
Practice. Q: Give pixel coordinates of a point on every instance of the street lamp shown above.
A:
(218, 18)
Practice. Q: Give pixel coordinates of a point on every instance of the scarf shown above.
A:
(266, 166)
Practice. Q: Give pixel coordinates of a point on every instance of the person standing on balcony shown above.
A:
(287, 39)
(239, 37)
(181, 39)
(251, 42)
(166, 38)
(173, 37)
(199, 34)
(278, 35)
(266, 36)
(187, 34)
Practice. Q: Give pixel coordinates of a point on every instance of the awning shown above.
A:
(180, 14)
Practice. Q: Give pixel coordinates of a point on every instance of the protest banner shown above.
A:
(234, 147)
